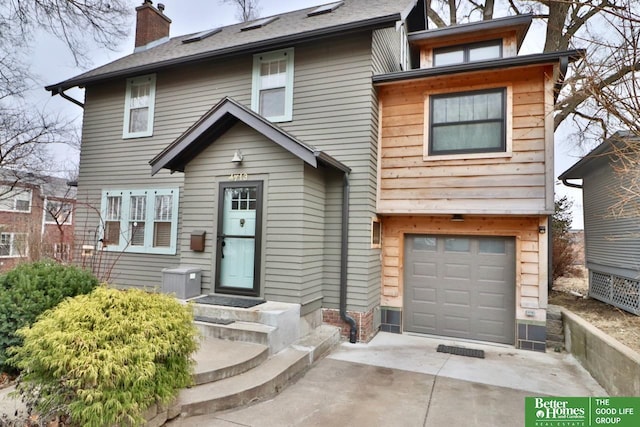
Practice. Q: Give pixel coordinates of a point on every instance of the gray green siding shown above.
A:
(335, 109)
(611, 236)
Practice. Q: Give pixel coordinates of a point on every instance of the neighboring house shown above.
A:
(577, 246)
(611, 219)
(318, 157)
(36, 219)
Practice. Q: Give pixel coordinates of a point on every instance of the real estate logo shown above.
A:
(582, 411)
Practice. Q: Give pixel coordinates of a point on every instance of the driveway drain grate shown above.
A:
(460, 351)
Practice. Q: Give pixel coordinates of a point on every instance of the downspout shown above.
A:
(67, 97)
(353, 333)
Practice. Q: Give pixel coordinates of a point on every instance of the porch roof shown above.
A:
(220, 119)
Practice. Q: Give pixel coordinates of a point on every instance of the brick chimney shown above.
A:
(151, 24)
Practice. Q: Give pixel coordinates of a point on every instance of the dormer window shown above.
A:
(467, 53)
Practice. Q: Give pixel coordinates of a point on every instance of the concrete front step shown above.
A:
(219, 359)
(274, 324)
(250, 332)
(260, 382)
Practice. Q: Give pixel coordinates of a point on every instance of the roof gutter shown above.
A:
(344, 258)
(494, 64)
(60, 92)
(275, 43)
(571, 184)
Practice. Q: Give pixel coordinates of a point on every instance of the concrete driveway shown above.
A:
(400, 380)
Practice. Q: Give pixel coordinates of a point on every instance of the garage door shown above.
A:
(460, 286)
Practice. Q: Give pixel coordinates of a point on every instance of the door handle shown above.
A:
(222, 245)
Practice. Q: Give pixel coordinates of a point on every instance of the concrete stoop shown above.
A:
(274, 324)
(235, 373)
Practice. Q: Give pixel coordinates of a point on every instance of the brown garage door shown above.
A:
(460, 286)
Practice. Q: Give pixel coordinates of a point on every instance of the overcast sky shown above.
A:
(52, 63)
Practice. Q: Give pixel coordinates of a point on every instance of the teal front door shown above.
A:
(238, 240)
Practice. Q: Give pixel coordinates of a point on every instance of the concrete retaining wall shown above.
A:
(614, 365)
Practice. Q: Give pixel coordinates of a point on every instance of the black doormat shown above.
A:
(229, 301)
(461, 351)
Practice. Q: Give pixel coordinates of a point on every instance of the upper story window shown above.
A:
(467, 53)
(15, 199)
(272, 90)
(57, 212)
(139, 106)
(144, 221)
(468, 122)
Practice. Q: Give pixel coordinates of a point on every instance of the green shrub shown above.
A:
(30, 289)
(103, 358)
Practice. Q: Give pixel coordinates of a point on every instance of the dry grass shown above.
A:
(623, 326)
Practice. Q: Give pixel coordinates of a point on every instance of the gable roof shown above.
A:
(288, 28)
(598, 155)
(220, 119)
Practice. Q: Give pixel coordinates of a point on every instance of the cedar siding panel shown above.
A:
(515, 183)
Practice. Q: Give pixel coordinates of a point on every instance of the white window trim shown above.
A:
(288, 90)
(67, 221)
(12, 195)
(148, 248)
(12, 243)
(508, 123)
(151, 113)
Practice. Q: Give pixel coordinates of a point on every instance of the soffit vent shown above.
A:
(259, 23)
(327, 8)
(202, 35)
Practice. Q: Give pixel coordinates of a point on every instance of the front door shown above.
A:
(238, 242)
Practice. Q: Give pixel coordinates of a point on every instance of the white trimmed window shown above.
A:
(139, 106)
(143, 221)
(272, 88)
(58, 212)
(13, 245)
(15, 199)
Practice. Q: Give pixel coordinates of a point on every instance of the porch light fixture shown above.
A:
(542, 229)
(457, 218)
(237, 157)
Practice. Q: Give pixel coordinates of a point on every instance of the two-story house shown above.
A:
(36, 218)
(318, 157)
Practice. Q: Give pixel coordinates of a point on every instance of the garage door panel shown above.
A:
(490, 301)
(469, 291)
(457, 297)
(425, 295)
(457, 271)
(425, 323)
(425, 269)
(495, 273)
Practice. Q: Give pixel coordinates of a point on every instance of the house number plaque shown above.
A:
(239, 177)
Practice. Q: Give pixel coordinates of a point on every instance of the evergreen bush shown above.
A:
(103, 358)
(30, 289)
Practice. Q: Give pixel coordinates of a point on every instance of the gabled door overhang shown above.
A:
(219, 120)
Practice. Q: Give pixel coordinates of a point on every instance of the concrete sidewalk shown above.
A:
(400, 380)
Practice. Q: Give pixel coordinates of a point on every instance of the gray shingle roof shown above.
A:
(289, 27)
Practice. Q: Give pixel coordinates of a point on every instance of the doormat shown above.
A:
(461, 351)
(229, 301)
